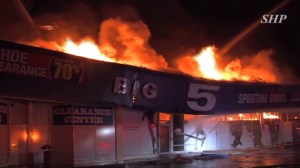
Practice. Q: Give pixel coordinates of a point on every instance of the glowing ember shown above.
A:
(86, 49)
(269, 116)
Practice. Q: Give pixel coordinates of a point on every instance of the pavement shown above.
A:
(281, 156)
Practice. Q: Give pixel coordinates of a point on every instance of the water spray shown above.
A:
(250, 28)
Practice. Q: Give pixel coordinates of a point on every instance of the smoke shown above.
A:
(75, 20)
(15, 22)
(261, 66)
(127, 42)
(124, 12)
(264, 68)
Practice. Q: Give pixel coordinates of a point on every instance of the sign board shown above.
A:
(82, 115)
(57, 76)
(18, 61)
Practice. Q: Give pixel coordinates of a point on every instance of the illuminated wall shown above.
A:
(244, 130)
(134, 138)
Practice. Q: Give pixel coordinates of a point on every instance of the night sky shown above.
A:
(177, 26)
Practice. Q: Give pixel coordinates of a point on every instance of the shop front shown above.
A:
(61, 110)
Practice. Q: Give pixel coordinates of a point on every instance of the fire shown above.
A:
(270, 116)
(86, 48)
(118, 41)
(209, 66)
(127, 42)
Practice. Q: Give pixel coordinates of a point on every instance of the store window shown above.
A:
(243, 116)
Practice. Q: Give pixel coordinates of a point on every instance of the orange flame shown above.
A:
(127, 43)
(86, 48)
(207, 64)
(209, 67)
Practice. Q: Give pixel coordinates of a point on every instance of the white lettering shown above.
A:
(63, 111)
(264, 19)
(120, 85)
(103, 112)
(149, 90)
(14, 56)
(23, 69)
(125, 86)
(278, 18)
(194, 93)
(277, 98)
(252, 98)
(83, 120)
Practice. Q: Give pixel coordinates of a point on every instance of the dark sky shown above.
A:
(180, 25)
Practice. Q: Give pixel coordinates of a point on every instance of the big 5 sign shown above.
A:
(200, 97)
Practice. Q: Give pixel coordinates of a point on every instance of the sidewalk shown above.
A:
(178, 157)
(182, 158)
(189, 157)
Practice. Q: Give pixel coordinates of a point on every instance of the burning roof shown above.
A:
(127, 42)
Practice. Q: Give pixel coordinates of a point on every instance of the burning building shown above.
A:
(62, 109)
(81, 111)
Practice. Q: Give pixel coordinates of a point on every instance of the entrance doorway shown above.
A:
(18, 133)
(164, 133)
(28, 131)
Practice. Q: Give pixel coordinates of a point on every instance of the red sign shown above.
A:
(42, 66)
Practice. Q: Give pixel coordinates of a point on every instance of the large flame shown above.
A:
(127, 43)
(209, 66)
(119, 41)
(86, 48)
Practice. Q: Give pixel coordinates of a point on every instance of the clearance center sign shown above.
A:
(82, 115)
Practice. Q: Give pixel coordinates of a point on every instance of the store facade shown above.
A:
(67, 110)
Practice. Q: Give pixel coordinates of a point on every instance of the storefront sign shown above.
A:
(82, 115)
(21, 62)
(3, 113)
(124, 85)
